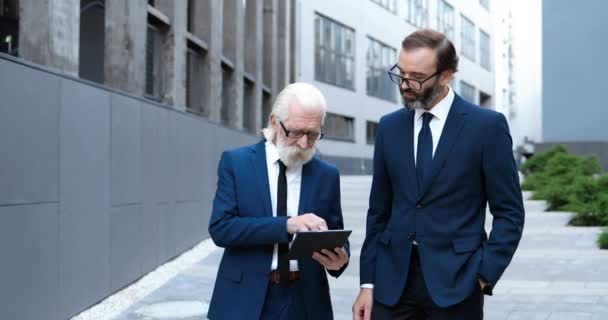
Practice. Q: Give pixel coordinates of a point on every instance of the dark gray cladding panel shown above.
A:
(29, 143)
(126, 244)
(29, 272)
(85, 199)
(157, 165)
(125, 150)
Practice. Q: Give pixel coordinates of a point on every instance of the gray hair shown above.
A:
(307, 96)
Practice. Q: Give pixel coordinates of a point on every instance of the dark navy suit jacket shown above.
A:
(242, 223)
(472, 166)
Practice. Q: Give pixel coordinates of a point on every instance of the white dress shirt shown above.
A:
(440, 114)
(294, 180)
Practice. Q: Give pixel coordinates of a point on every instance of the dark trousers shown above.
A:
(284, 302)
(416, 304)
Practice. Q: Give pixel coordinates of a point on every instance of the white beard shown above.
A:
(293, 156)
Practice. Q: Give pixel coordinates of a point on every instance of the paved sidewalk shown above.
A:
(557, 273)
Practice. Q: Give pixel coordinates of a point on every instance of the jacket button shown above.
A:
(419, 205)
(411, 236)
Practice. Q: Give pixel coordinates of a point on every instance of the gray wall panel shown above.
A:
(156, 165)
(125, 150)
(86, 148)
(85, 199)
(189, 223)
(169, 221)
(29, 272)
(574, 71)
(29, 126)
(154, 235)
(188, 158)
(126, 244)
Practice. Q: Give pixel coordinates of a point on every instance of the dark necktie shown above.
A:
(424, 154)
(283, 263)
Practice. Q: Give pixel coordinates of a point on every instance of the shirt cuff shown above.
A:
(367, 286)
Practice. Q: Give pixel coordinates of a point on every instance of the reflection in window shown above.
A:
(467, 91)
(380, 58)
(416, 13)
(467, 36)
(334, 52)
(445, 19)
(339, 127)
(484, 49)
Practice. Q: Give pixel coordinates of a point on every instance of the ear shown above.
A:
(445, 78)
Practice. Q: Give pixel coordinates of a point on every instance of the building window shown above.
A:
(9, 27)
(380, 58)
(484, 49)
(334, 53)
(467, 91)
(390, 5)
(467, 38)
(416, 13)
(485, 4)
(92, 40)
(445, 19)
(484, 99)
(249, 105)
(266, 106)
(154, 62)
(370, 133)
(228, 99)
(339, 127)
(195, 81)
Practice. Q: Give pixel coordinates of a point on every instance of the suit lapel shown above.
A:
(449, 135)
(305, 188)
(260, 169)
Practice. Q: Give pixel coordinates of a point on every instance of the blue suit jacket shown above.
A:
(242, 223)
(472, 166)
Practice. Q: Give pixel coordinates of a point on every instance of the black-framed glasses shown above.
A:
(412, 83)
(297, 134)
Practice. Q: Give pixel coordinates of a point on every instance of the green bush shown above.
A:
(570, 183)
(602, 241)
(551, 183)
(539, 160)
(588, 197)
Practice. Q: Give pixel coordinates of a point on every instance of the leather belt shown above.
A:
(276, 278)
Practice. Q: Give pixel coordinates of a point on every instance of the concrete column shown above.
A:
(233, 49)
(254, 56)
(213, 61)
(50, 33)
(175, 52)
(125, 45)
(270, 45)
(284, 44)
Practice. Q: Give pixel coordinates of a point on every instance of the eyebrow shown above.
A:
(416, 74)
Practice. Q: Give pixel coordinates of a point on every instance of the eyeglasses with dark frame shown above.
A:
(297, 134)
(412, 83)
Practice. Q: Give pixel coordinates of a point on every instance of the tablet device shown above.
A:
(305, 243)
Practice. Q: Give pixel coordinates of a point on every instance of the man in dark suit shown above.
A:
(266, 193)
(437, 164)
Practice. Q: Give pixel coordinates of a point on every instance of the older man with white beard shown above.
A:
(266, 193)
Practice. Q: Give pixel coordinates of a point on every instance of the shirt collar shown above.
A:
(441, 109)
(272, 153)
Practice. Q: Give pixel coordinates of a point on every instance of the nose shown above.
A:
(404, 85)
(303, 141)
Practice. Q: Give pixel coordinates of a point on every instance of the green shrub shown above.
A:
(538, 161)
(602, 240)
(551, 183)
